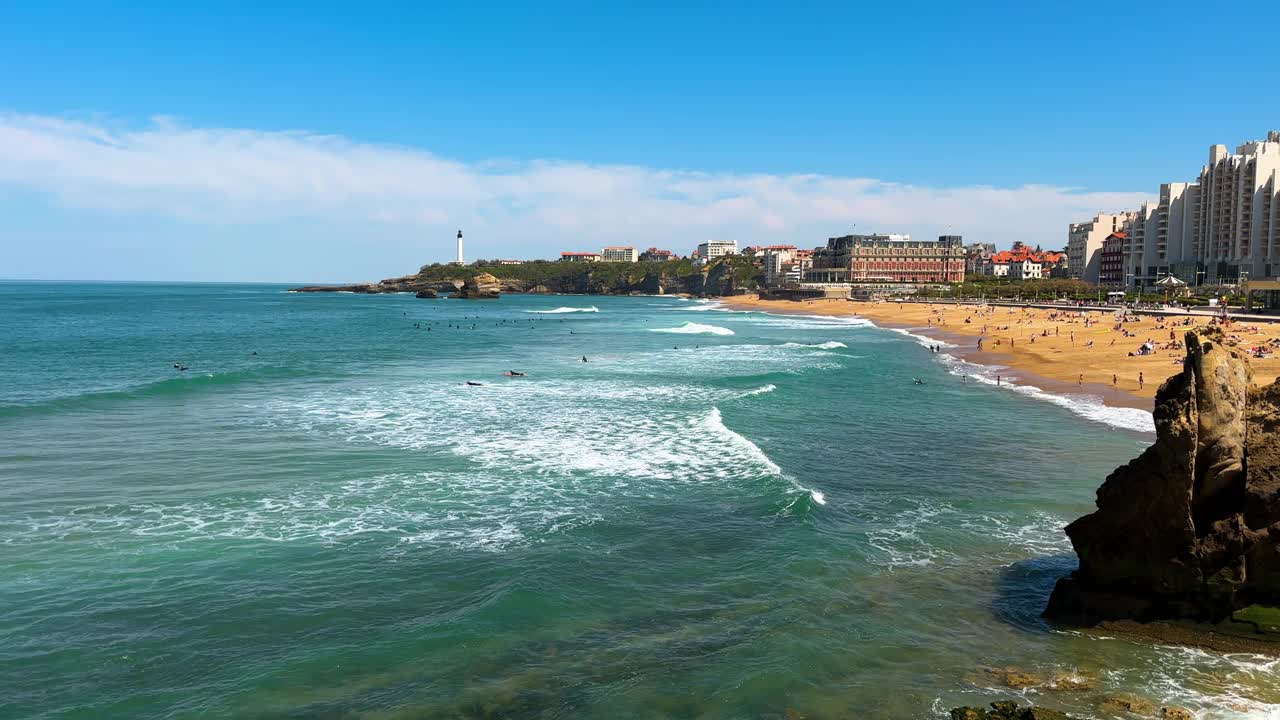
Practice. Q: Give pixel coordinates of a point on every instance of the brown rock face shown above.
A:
(481, 287)
(1190, 528)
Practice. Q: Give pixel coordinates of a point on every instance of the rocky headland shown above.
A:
(1189, 531)
(727, 276)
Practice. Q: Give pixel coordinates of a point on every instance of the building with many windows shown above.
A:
(1111, 266)
(1237, 221)
(1222, 229)
(618, 254)
(889, 258)
(713, 249)
(785, 264)
(1084, 243)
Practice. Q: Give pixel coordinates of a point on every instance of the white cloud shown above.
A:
(220, 176)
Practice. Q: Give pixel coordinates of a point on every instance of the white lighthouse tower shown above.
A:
(459, 261)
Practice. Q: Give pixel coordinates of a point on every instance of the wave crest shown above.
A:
(693, 328)
(562, 310)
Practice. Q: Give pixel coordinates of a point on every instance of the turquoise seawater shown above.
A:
(718, 515)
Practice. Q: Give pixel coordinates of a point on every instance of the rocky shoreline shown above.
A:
(1190, 529)
(717, 279)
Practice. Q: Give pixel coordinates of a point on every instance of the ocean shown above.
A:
(717, 515)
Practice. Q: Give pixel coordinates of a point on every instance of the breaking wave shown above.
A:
(693, 328)
(828, 345)
(562, 310)
(760, 390)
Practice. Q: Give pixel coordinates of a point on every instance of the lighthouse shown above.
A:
(459, 260)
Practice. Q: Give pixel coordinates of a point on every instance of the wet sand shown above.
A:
(1060, 351)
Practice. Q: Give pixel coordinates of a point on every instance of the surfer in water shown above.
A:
(513, 373)
(476, 384)
(917, 381)
(179, 367)
(584, 358)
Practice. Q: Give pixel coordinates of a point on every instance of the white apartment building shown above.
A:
(713, 249)
(1237, 227)
(1084, 243)
(785, 264)
(777, 259)
(1024, 270)
(1161, 237)
(618, 254)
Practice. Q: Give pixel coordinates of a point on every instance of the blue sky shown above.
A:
(324, 142)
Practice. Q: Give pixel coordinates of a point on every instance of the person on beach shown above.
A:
(997, 380)
(1080, 380)
(1115, 381)
(1140, 381)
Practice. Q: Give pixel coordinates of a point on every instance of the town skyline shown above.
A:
(166, 143)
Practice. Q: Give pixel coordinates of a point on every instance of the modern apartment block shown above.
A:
(618, 254)
(713, 249)
(1238, 228)
(1084, 243)
(1223, 228)
(785, 264)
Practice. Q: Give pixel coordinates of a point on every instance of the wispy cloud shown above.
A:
(221, 176)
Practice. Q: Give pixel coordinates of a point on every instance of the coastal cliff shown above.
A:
(1190, 529)
(726, 276)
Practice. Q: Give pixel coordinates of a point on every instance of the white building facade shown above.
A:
(618, 254)
(1084, 243)
(713, 249)
(1025, 270)
(1238, 231)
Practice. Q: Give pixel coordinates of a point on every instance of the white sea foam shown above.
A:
(761, 390)
(418, 508)
(701, 306)
(1091, 407)
(714, 425)
(922, 340)
(562, 310)
(828, 345)
(725, 361)
(1238, 686)
(693, 328)
(897, 538)
(575, 440)
(802, 322)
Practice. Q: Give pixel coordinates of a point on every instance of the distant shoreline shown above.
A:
(1056, 371)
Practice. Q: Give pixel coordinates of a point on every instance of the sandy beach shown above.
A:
(1071, 349)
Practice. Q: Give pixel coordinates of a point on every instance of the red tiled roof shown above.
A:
(1023, 254)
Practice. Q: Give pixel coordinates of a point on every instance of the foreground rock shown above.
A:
(1008, 710)
(1191, 528)
(480, 287)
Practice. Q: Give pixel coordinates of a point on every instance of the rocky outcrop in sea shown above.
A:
(728, 276)
(1190, 529)
(480, 287)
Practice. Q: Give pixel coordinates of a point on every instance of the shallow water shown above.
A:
(733, 516)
